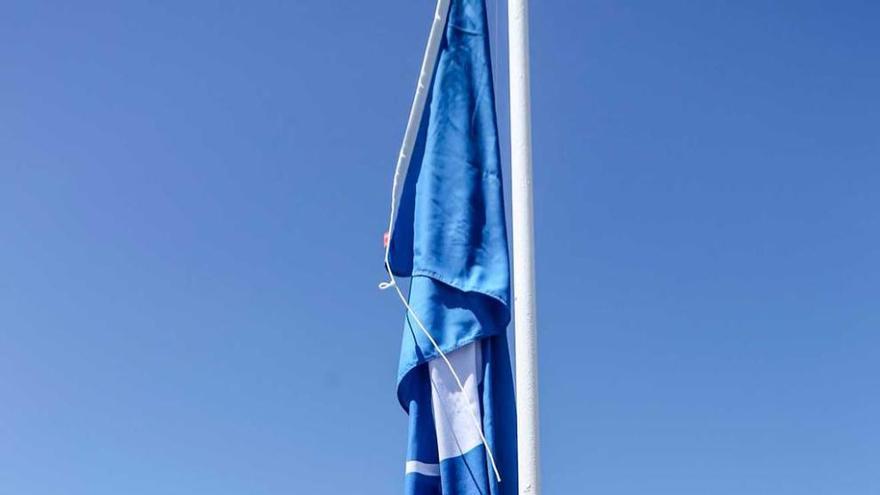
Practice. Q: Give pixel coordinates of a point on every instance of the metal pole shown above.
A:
(523, 249)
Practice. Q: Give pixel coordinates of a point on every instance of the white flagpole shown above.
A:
(523, 249)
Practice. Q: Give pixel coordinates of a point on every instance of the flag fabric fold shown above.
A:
(450, 237)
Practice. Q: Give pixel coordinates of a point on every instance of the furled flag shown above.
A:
(449, 236)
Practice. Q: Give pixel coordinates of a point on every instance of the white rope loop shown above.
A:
(442, 354)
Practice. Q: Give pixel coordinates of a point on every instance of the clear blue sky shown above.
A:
(192, 199)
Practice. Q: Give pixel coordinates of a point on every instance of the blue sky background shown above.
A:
(192, 199)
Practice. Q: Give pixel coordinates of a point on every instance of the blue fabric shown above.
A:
(450, 236)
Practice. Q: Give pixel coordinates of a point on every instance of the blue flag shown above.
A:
(450, 237)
